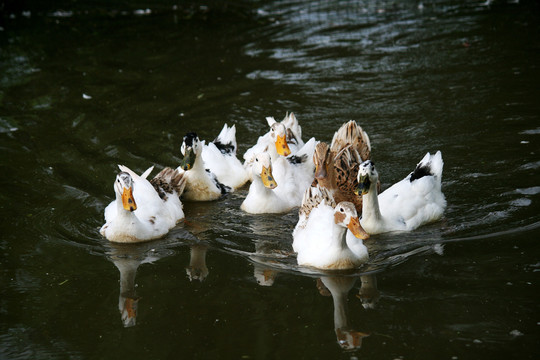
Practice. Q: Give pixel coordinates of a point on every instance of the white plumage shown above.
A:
(328, 235)
(143, 210)
(219, 157)
(262, 197)
(283, 138)
(201, 184)
(406, 205)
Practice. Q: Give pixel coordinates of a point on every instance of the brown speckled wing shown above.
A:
(312, 198)
(167, 182)
(346, 167)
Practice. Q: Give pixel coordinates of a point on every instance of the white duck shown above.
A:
(261, 197)
(143, 210)
(321, 236)
(220, 158)
(201, 184)
(283, 138)
(406, 205)
(294, 174)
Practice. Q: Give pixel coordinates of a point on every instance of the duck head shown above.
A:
(367, 175)
(190, 149)
(263, 168)
(278, 132)
(322, 160)
(123, 186)
(345, 215)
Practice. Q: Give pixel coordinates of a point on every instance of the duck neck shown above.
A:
(340, 240)
(260, 189)
(124, 216)
(370, 204)
(198, 165)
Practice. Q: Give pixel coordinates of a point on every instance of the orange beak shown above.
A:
(282, 147)
(131, 307)
(357, 230)
(128, 200)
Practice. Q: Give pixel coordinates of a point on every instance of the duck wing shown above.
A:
(313, 197)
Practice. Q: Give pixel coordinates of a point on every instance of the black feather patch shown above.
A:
(225, 149)
(223, 188)
(297, 159)
(421, 171)
(189, 138)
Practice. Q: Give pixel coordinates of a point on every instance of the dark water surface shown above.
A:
(84, 89)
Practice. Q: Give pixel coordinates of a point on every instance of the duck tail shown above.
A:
(226, 140)
(429, 165)
(291, 123)
(352, 134)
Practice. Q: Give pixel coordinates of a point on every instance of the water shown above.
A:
(86, 88)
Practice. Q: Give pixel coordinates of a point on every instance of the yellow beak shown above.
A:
(282, 147)
(128, 200)
(356, 229)
(267, 178)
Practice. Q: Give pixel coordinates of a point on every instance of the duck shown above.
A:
(336, 165)
(201, 183)
(261, 197)
(295, 173)
(414, 201)
(219, 157)
(328, 235)
(143, 210)
(282, 139)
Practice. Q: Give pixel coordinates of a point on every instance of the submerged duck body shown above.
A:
(406, 205)
(143, 210)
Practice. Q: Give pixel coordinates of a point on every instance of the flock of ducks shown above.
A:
(336, 187)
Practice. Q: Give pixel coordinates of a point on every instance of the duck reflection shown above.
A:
(338, 287)
(369, 294)
(197, 269)
(128, 258)
(264, 252)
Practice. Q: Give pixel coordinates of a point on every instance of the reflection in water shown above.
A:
(128, 258)
(197, 269)
(268, 252)
(338, 287)
(369, 294)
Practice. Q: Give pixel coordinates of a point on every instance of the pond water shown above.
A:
(83, 89)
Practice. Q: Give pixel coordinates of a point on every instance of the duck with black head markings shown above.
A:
(414, 201)
(201, 183)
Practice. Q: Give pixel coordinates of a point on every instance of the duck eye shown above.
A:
(341, 209)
